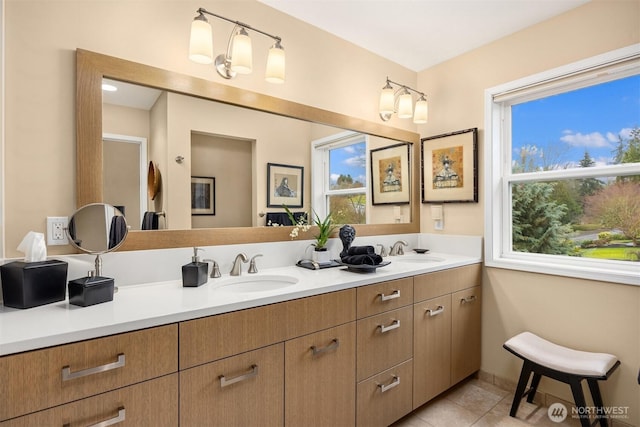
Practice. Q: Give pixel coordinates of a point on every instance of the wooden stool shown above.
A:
(563, 364)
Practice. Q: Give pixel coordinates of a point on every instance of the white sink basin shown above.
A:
(255, 283)
(417, 258)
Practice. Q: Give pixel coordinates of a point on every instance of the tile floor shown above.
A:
(479, 404)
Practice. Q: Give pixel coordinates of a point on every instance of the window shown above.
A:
(340, 177)
(562, 170)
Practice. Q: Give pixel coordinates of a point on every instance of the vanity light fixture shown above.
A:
(400, 101)
(239, 56)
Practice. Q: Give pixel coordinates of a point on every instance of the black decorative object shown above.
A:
(30, 284)
(347, 235)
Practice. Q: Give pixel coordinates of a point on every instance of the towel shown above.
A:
(370, 259)
(361, 250)
(150, 221)
(117, 231)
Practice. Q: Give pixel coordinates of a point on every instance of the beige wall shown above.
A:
(583, 314)
(41, 39)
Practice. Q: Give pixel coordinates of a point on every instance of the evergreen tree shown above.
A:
(537, 220)
(628, 151)
(588, 186)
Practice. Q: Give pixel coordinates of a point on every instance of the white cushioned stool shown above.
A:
(564, 364)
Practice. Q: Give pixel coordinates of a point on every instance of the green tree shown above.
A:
(537, 220)
(566, 193)
(588, 186)
(628, 151)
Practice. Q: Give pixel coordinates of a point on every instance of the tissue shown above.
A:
(33, 246)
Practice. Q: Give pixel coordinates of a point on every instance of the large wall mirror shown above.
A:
(188, 118)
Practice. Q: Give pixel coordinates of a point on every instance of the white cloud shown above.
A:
(356, 161)
(590, 140)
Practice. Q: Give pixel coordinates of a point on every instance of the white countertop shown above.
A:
(159, 303)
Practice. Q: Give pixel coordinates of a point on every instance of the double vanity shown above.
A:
(314, 347)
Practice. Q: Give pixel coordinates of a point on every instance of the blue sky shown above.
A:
(565, 126)
(349, 160)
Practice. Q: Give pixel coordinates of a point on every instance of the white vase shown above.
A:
(322, 257)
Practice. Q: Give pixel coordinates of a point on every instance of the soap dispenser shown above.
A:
(195, 273)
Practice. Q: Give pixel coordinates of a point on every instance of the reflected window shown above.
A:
(342, 160)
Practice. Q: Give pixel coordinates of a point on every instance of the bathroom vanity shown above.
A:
(338, 348)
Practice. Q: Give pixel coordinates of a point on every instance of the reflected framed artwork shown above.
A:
(203, 195)
(450, 167)
(285, 185)
(390, 175)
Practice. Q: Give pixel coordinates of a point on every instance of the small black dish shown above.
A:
(364, 268)
(421, 251)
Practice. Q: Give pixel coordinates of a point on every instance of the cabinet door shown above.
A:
(320, 378)
(69, 372)
(465, 333)
(150, 403)
(386, 397)
(243, 390)
(384, 341)
(431, 348)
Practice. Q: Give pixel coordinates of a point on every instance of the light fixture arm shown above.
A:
(202, 11)
(401, 86)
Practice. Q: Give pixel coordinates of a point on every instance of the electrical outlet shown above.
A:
(56, 230)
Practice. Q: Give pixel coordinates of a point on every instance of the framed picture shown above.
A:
(285, 185)
(450, 167)
(203, 195)
(390, 175)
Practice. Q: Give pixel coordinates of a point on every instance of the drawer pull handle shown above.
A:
(332, 346)
(111, 421)
(435, 312)
(252, 373)
(68, 375)
(394, 325)
(393, 295)
(394, 383)
(468, 299)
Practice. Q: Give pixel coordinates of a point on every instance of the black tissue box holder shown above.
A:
(30, 284)
(91, 290)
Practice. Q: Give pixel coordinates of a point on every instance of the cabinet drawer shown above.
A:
(69, 372)
(431, 285)
(243, 390)
(386, 397)
(320, 378)
(150, 403)
(374, 299)
(431, 348)
(215, 337)
(384, 340)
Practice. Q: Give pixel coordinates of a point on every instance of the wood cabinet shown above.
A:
(70, 372)
(320, 378)
(364, 356)
(150, 403)
(446, 345)
(242, 390)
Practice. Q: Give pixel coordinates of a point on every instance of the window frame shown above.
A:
(498, 176)
(320, 190)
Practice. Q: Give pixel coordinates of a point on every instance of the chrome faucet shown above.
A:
(252, 265)
(396, 249)
(236, 270)
(383, 250)
(215, 269)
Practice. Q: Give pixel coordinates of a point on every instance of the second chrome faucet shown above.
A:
(236, 270)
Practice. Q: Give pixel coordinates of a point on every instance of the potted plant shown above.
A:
(325, 228)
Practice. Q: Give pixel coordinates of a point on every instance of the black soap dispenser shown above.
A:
(195, 273)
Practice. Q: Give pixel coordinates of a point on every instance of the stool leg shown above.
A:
(534, 387)
(597, 401)
(527, 367)
(578, 397)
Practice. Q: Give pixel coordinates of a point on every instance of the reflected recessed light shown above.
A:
(109, 88)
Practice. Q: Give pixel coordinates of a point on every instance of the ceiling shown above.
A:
(418, 34)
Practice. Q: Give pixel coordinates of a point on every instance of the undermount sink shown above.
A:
(256, 283)
(417, 258)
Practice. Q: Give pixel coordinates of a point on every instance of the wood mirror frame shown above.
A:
(92, 67)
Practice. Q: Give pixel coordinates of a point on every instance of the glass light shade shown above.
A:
(275, 64)
(241, 53)
(201, 42)
(421, 113)
(387, 100)
(405, 106)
